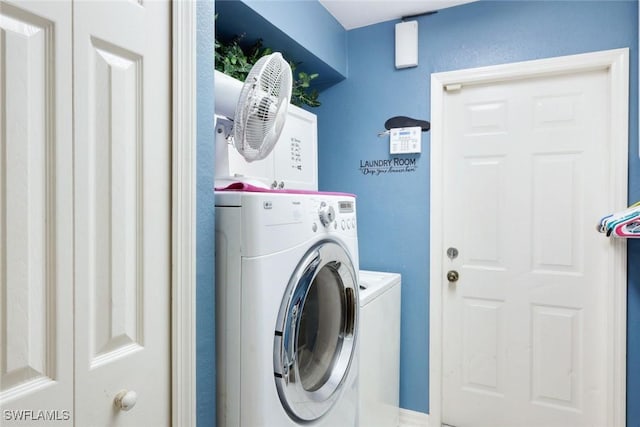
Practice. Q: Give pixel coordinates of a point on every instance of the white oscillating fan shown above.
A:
(260, 111)
(262, 107)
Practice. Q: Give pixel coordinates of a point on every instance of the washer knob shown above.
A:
(327, 214)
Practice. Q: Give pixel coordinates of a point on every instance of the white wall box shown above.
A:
(406, 44)
(293, 163)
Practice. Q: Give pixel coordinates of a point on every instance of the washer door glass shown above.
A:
(315, 333)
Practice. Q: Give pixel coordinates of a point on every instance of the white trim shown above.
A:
(617, 295)
(410, 418)
(617, 62)
(183, 292)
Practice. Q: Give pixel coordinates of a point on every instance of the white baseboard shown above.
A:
(410, 418)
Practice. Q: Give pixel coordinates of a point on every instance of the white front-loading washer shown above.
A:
(286, 309)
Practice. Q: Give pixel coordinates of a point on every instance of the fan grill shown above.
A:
(262, 107)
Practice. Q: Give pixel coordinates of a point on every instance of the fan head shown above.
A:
(262, 107)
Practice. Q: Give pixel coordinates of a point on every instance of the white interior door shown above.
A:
(36, 258)
(525, 178)
(122, 210)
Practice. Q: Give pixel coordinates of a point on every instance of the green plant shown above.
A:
(236, 61)
(302, 94)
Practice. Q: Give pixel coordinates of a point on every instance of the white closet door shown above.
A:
(36, 278)
(122, 207)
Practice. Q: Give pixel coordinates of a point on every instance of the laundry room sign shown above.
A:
(378, 167)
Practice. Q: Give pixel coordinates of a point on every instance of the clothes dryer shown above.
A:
(286, 309)
(379, 340)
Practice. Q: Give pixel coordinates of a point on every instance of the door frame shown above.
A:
(617, 63)
(183, 214)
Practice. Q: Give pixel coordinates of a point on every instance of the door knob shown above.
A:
(125, 400)
(452, 276)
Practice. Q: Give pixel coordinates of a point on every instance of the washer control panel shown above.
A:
(334, 214)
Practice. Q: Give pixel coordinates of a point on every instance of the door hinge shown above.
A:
(453, 87)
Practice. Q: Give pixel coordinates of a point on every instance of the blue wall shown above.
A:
(322, 35)
(316, 45)
(393, 210)
(205, 220)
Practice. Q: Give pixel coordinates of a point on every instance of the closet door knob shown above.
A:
(125, 400)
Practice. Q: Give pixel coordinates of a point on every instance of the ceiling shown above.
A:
(360, 13)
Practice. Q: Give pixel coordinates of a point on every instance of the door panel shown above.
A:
(557, 225)
(122, 201)
(115, 206)
(556, 335)
(36, 357)
(484, 341)
(524, 328)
